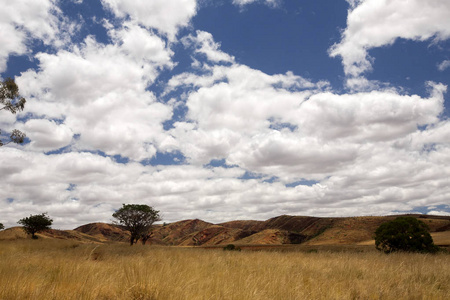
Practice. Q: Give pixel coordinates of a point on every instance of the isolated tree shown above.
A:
(35, 223)
(404, 234)
(12, 102)
(1, 226)
(137, 219)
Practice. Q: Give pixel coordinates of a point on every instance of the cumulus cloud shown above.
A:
(374, 23)
(24, 19)
(285, 144)
(47, 135)
(99, 92)
(166, 16)
(245, 117)
(78, 188)
(142, 46)
(235, 102)
(371, 116)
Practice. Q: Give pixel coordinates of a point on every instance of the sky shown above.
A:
(226, 109)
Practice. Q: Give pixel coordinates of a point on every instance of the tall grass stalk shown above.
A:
(52, 269)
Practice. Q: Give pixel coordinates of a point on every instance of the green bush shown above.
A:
(231, 247)
(404, 234)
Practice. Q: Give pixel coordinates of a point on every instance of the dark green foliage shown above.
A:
(137, 219)
(35, 223)
(1, 226)
(231, 247)
(320, 231)
(296, 238)
(404, 234)
(12, 102)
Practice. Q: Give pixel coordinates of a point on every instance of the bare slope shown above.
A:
(105, 232)
(360, 230)
(275, 231)
(176, 233)
(15, 233)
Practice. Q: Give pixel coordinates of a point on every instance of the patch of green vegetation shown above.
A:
(320, 231)
(231, 247)
(406, 234)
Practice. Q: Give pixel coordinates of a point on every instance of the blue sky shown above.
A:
(224, 110)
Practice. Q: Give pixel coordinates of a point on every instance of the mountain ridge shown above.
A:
(280, 230)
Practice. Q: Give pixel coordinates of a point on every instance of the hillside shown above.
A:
(16, 233)
(104, 232)
(282, 230)
(361, 229)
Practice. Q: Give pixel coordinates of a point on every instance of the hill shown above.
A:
(286, 229)
(16, 233)
(104, 232)
(281, 230)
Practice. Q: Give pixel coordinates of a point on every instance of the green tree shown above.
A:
(1, 226)
(35, 223)
(404, 234)
(137, 219)
(12, 102)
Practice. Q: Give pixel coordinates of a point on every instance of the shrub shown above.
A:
(231, 247)
(404, 234)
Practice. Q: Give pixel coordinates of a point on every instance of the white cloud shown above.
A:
(166, 16)
(47, 135)
(379, 179)
(372, 116)
(205, 44)
(364, 153)
(243, 76)
(99, 91)
(375, 23)
(439, 213)
(256, 121)
(234, 103)
(241, 3)
(21, 20)
(444, 65)
(142, 46)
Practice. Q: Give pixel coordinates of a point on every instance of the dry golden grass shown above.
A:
(52, 269)
(441, 238)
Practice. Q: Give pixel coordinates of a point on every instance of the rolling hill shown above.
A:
(281, 230)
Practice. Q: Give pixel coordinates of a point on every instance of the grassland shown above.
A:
(59, 269)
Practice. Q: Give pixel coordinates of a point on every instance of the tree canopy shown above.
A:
(404, 234)
(1, 226)
(12, 102)
(137, 219)
(35, 223)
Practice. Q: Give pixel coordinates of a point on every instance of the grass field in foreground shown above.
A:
(52, 269)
